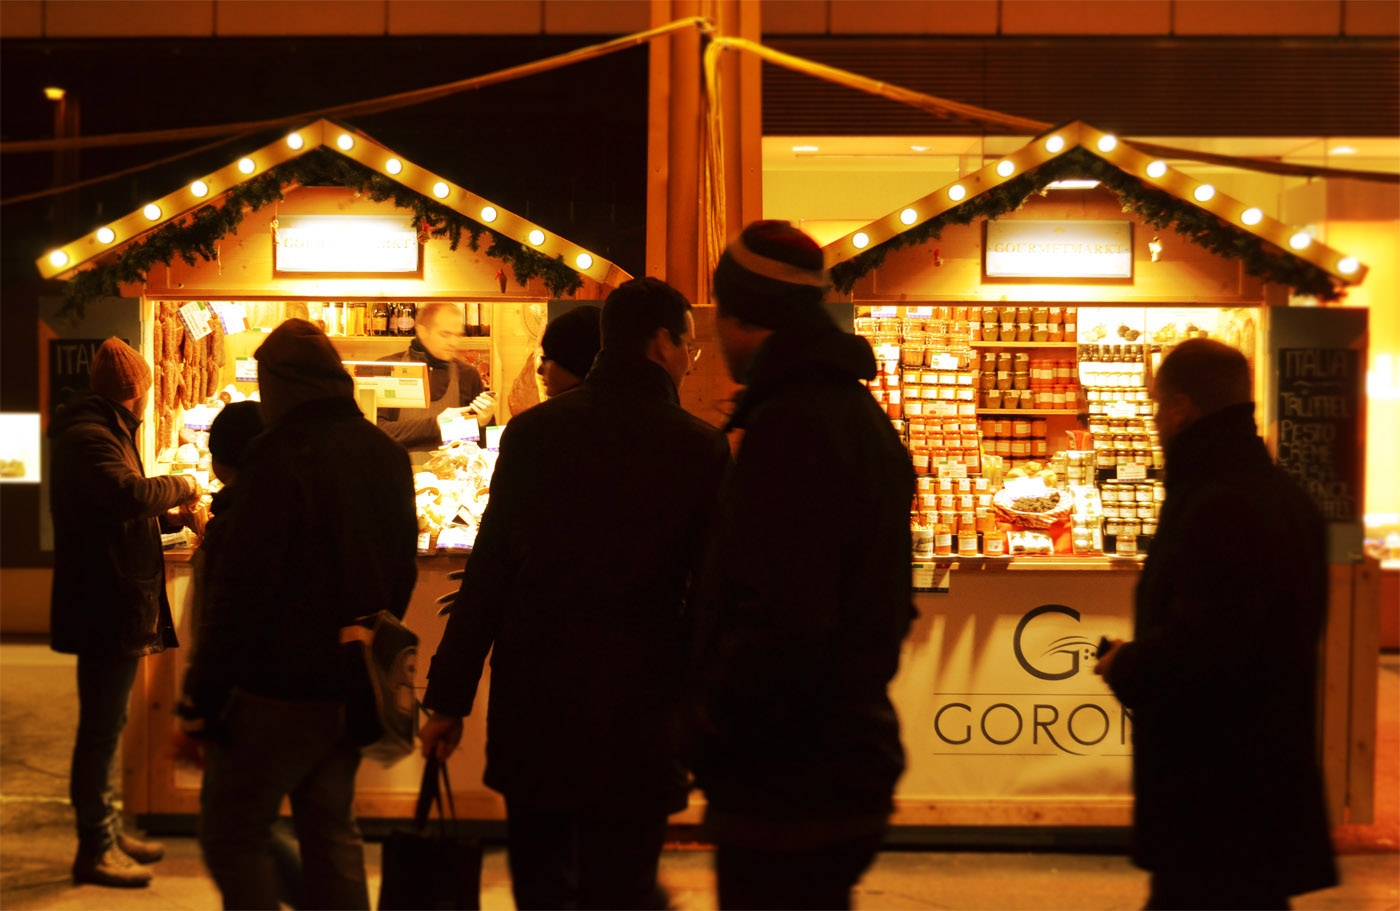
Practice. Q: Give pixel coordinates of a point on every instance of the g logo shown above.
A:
(1065, 645)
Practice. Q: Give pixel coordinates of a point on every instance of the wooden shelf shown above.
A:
(469, 342)
(1068, 412)
(1024, 344)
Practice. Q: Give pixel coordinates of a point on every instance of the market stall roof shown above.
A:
(1152, 173)
(354, 145)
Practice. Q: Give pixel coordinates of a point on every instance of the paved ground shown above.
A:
(37, 717)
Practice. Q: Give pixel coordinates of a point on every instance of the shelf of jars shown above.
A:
(980, 344)
(1051, 412)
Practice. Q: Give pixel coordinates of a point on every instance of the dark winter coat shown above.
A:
(417, 428)
(578, 578)
(109, 573)
(1221, 674)
(323, 530)
(806, 598)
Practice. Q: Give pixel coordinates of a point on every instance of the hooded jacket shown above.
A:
(323, 530)
(1221, 674)
(109, 573)
(806, 599)
(579, 579)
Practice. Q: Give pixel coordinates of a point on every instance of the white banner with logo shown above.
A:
(996, 692)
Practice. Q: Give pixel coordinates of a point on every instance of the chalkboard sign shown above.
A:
(1319, 427)
(70, 362)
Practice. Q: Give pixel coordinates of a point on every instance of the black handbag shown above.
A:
(381, 707)
(431, 868)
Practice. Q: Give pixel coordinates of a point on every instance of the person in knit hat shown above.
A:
(109, 603)
(795, 742)
(568, 347)
(322, 529)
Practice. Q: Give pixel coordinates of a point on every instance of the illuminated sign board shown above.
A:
(343, 244)
(1023, 248)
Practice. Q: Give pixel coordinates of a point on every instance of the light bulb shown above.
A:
(246, 165)
(1108, 143)
(440, 190)
(106, 235)
(200, 189)
(1054, 144)
(488, 214)
(1006, 167)
(957, 191)
(152, 211)
(345, 142)
(1252, 216)
(584, 261)
(1204, 192)
(1300, 241)
(393, 166)
(908, 216)
(1347, 265)
(1157, 168)
(537, 237)
(294, 141)
(861, 240)
(58, 259)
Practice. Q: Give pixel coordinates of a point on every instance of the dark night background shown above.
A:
(567, 148)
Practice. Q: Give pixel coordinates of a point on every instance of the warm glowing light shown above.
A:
(1157, 168)
(1343, 150)
(1252, 216)
(58, 259)
(488, 214)
(908, 216)
(1108, 143)
(957, 191)
(919, 148)
(201, 189)
(106, 235)
(584, 261)
(54, 93)
(1006, 167)
(1054, 144)
(1072, 183)
(537, 237)
(393, 166)
(1348, 264)
(294, 141)
(806, 149)
(1204, 192)
(345, 142)
(1300, 241)
(152, 211)
(861, 240)
(440, 190)
(246, 165)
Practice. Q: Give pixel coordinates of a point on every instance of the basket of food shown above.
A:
(1030, 503)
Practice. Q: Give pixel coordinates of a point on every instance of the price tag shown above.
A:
(1121, 409)
(932, 577)
(884, 312)
(457, 537)
(454, 427)
(942, 409)
(1135, 471)
(945, 362)
(245, 369)
(952, 470)
(887, 352)
(232, 314)
(921, 312)
(195, 317)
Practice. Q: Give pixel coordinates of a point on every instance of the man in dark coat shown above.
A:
(1221, 673)
(806, 594)
(323, 530)
(109, 604)
(452, 384)
(578, 579)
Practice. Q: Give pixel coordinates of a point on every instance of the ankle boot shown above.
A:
(143, 852)
(108, 866)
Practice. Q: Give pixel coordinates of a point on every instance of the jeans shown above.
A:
(275, 749)
(571, 860)
(818, 879)
(104, 689)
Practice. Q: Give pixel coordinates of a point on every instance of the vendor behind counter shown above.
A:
(452, 384)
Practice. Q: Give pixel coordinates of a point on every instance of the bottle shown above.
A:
(473, 325)
(486, 319)
(379, 322)
(410, 315)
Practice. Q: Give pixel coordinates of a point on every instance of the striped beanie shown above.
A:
(772, 276)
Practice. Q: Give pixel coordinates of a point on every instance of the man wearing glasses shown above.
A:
(579, 581)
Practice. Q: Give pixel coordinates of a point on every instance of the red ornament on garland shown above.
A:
(501, 279)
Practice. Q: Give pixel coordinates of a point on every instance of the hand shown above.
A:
(440, 735)
(194, 518)
(1103, 664)
(192, 499)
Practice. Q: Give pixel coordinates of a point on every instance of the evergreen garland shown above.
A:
(196, 235)
(1156, 207)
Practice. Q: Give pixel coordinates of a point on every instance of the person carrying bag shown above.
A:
(437, 869)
